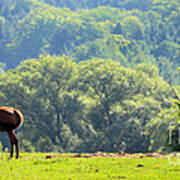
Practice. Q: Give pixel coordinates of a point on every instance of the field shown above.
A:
(43, 166)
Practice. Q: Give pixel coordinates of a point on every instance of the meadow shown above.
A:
(43, 166)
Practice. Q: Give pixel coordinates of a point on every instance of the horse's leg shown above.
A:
(14, 141)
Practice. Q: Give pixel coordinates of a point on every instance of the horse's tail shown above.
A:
(19, 117)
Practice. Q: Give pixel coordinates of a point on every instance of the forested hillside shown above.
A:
(91, 75)
(121, 30)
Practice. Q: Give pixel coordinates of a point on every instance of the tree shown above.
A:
(74, 32)
(125, 101)
(42, 90)
(175, 146)
(133, 28)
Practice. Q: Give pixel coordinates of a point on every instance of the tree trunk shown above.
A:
(58, 116)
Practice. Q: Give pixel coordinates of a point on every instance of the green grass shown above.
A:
(35, 166)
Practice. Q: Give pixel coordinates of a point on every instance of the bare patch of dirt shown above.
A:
(118, 155)
(98, 154)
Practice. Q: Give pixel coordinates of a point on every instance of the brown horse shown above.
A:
(11, 119)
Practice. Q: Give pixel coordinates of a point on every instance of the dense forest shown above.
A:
(92, 75)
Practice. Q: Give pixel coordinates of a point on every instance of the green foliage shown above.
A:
(90, 106)
(99, 103)
(2, 67)
(177, 103)
(175, 146)
(133, 28)
(143, 31)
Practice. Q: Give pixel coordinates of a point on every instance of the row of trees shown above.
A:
(96, 105)
(82, 101)
(127, 4)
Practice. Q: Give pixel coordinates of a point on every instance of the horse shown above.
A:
(11, 119)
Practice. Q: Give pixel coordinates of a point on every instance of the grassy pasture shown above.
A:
(43, 166)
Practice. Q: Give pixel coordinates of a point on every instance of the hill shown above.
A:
(120, 30)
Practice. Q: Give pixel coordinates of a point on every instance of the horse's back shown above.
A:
(7, 109)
